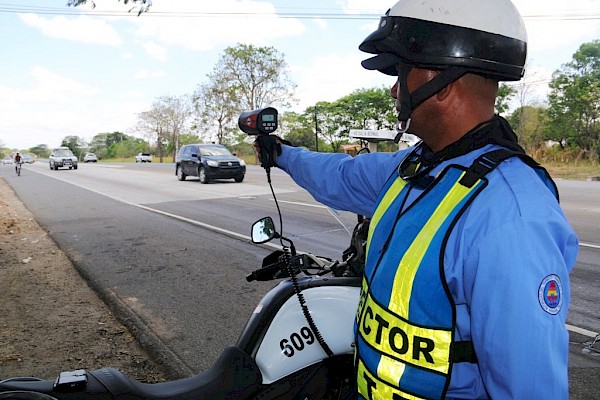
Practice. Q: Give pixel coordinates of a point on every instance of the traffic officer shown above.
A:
(466, 285)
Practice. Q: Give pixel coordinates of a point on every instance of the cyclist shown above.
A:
(18, 160)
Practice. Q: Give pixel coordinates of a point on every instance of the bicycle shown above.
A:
(18, 168)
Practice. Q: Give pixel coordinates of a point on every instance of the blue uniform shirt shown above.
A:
(507, 266)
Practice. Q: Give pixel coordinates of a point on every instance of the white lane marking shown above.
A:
(188, 220)
(571, 328)
(593, 246)
(213, 228)
(192, 221)
(582, 331)
(146, 188)
(302, 204)
(102, 165)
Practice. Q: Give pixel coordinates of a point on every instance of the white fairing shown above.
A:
(290, 345)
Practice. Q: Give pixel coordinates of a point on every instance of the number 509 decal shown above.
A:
(297, 341)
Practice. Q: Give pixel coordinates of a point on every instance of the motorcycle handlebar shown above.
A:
(275, 266)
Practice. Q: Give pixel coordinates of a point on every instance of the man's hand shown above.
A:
(267, 148)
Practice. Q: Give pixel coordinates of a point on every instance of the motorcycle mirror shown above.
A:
(263, 230)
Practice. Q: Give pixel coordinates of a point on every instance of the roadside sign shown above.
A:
(374, 136)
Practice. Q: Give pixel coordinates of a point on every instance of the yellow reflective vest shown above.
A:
(406, 318)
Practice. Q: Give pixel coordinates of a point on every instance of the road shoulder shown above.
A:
(52, 320)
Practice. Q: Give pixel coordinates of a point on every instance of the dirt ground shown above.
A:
(51, 320)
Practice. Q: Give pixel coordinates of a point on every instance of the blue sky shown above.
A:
(77, 71)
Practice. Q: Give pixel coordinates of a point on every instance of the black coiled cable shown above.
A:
(302, 301)
(288, 264)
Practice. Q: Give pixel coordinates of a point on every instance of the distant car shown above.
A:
(143, 157)
(7, 161)
(27, 159)
(90, 157)
(62, 157)
(207, 162)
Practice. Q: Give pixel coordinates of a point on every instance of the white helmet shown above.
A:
(485, 37)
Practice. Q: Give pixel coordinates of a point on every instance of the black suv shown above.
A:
(208, 161)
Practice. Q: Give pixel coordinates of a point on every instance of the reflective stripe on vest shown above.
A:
(406, 317)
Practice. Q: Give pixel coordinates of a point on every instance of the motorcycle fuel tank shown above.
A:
(289, 343)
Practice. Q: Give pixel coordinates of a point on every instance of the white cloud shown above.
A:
(55, 106)
(155, 50)
(80, 29)
(321, 23)
(203, 25)
(548, 24)
(332, 76)
(131, 94)
(366, 6)
(112, 7)
(545, 35)
(544, 32)
(52, 87)
(145, 74)
(555, 29)
(43, 106)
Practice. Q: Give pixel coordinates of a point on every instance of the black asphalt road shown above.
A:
(182, 288)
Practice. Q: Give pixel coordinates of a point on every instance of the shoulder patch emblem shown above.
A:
(550, 294)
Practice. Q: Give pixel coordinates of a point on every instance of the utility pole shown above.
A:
(316, 131)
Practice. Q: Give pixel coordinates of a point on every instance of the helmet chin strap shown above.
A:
(401, 129)
(410, 101)
(405, 101)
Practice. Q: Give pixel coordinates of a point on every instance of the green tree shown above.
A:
(75, 143)
(188, 138)
(178, 112)
(574, 102)
(116, 145)
(127, 148)
(503, 98)
(371, 108)
(4, 151)
(530, 123)
(166, 120)
(215, 106)
(298, 129)
(332, 121)
(245, 77)
(257, 75)
(142, 5)
(75, 3)
(101, 142)
(41, 150)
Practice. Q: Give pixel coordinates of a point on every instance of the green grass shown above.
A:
(249, 160)
(575, 170)
(116, 159)
(132, 159)
(566, 163)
